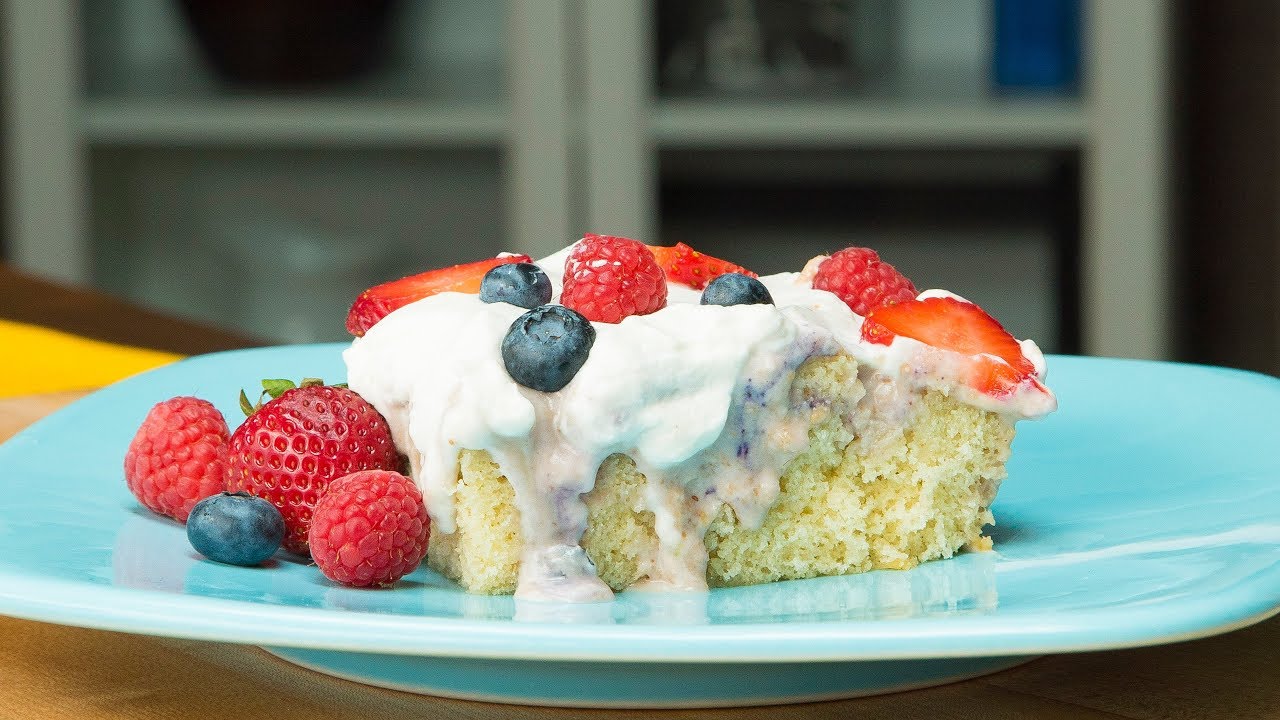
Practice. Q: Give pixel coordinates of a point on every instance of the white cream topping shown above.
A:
(699, 396)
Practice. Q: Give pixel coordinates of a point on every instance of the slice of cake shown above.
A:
(621, 416)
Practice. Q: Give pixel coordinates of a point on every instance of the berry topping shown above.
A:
(520, 284)
(682, 264)
(178, 456)
(235, 528)
(609, 278)
(290, 449)
(370, 529)
(379, 301)
(545, 347)
(736, 289)
(997, 365)
(862, 280)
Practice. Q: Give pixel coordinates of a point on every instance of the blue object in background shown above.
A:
(1037, 44)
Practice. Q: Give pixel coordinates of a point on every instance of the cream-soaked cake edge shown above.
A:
(699, 397)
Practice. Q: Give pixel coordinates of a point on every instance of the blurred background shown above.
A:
(1101, 175)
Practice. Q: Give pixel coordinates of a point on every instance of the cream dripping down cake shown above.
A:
(623, 416)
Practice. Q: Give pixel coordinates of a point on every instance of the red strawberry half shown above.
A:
(996, 360)
(682, 264)
(379, 301)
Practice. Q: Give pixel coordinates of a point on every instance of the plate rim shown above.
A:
(214, 619)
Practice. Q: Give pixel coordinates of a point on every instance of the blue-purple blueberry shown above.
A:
(736, 289)
(235, 528)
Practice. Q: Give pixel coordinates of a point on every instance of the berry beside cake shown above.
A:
(619, 415)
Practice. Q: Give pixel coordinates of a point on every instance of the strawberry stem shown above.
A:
(246, 407)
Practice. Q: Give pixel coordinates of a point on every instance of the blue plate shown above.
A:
(1147, 510)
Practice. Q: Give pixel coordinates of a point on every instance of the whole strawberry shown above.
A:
(370, 528)
(862, 280)
(178, 456)
(609, 278)
(290, 449)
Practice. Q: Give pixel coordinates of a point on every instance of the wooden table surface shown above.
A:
(51, 671)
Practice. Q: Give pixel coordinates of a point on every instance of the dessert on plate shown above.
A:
(624, 416)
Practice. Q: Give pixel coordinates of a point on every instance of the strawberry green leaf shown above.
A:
(276, 388)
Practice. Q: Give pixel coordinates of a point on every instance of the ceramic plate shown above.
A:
(1146, 510)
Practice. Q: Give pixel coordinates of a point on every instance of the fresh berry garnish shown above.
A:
(290, 449)
(862, 280)
(682, 264)
(736, 289)
(520, 284)
(178, 456)
(997, 365)
(547, 346)
(370, 529)
(235, 528)
(609, 278)
(379, 301)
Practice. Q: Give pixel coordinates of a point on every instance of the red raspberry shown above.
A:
(370, 528)
(178, 456)
(288, 451)
(608, 278)
(862, 280)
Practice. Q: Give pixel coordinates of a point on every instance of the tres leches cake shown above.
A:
(624, 416)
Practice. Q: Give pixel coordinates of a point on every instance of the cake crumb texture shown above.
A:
(848, 504)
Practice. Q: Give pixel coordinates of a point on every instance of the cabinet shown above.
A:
(518, 124)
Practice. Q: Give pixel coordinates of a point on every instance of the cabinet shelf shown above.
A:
(299, 121)
(870, 122)
(558, 99)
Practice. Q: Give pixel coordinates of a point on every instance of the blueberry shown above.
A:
(545, 347)
(736, 289)
(521, 284)
(235, 528)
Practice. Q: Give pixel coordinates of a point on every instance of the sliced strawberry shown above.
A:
(378, 302)
(683, 264)
(997, 362)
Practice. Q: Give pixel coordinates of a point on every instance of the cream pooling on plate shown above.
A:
(699, 396)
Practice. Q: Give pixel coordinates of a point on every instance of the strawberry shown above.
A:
(289, 450)
(379, 301)
(682, 264)
(997, 365)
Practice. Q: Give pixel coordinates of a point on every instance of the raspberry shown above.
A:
(862, 280)
(288, 451)
(370, 528)
(608, 278)
(178, 456)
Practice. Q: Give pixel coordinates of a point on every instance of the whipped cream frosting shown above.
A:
(699, 396)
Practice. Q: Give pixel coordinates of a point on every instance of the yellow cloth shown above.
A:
(39, 360)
